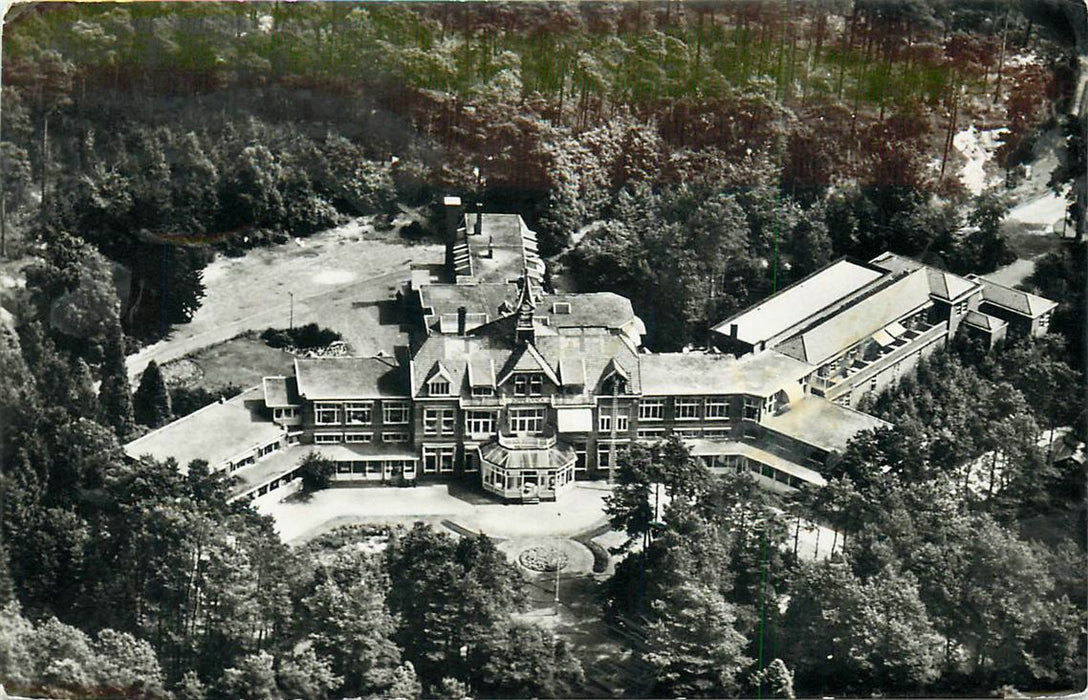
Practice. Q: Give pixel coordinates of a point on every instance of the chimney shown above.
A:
(462, 319)
(479, 228)
(452, 205)
(733, 330)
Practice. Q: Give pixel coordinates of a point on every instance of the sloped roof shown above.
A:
(591, 350)
(1024, 303)
(699, 373)
(983, 321)
(818, 422)
(481, 372)
(598, 309)
(443, 301)
(280, 392)
(527, 358)
(350, 378)
(792, 305)
(860, 320)
(942, 284)
(556, 457)
(216, 433)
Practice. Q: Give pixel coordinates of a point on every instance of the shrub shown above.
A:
(316, 472)
(186, 399)
(304, 337)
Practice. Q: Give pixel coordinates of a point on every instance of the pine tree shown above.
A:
(151, 401)
(114, 394)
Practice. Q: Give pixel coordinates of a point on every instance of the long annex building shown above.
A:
(523, 392)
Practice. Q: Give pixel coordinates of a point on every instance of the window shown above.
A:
(751, 408)
(689, 433)
(687, 408)
(358, 413)
(482, 391)
(282, 413)
(651, 409)
(716, 433)
(604, 455)
(717, 408)
(961, 308)
(526, 420)
(326, 413)
(439, 421)
(395, 437)
(328, 438)
(395, 412)
(472, 459)
(358, 437)
(528, 384)
(872, 384)
(439, 386)
(579, 457)
(604, 422)
(480, 422)
(651, 433)
(438, 458)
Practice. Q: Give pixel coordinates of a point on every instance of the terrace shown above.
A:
(891, 344)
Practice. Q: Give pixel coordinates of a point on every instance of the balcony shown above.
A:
(511, 440)
(862, 370)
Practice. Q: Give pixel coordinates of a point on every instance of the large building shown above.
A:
(522, 392)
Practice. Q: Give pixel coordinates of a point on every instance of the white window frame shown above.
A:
(439, 459)
(358, 438)
(439, 386)
(651, 409)
(365, 408)
(683, 404)
(322, 409)
(328, 438)
(580, 458)
(651, 433)
(483, 391)
(716, 408)
(527, 416)
(750, 404)
(285, 413)
(528, 384)
(604, 422)
(396, 412)
(480, 422)
(395, 436)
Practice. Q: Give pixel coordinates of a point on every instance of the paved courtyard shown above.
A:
(299, 520)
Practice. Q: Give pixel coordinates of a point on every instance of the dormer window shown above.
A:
(528, 384)
(439, 386)
(615, 385)
(482, 391)
(561, 307)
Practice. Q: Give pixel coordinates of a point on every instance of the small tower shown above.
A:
(526, 307)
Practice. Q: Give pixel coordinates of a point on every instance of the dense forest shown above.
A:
(772, 135)
(692, 156)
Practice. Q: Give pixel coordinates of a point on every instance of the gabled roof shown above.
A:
(350, 378)
(800, 301)
(598, 309)
(823, 341)
(527, 358)
(439, 370)
(1023, 303)
(701, 373)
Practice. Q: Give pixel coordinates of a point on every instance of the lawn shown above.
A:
(242, 361)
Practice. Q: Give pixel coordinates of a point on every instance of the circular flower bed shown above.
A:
(543, 558)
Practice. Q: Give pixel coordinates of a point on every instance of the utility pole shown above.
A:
(558, 552)
(291, 313)
(612, 435)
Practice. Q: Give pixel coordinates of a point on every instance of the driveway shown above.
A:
(577, 510)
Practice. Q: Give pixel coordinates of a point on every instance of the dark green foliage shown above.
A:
(523, 660)
(114, 394)
(151, 400)
(304, 337)
(447, 594)
(185, 399)
(316, 472)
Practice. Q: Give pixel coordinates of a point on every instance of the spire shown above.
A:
(526, 307)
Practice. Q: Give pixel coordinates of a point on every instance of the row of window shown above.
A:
(361, 412)
(328, 438)
(525, 384)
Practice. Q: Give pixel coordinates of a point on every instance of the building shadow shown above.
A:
(472, 495)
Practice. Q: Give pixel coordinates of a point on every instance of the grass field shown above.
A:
(242, 361)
